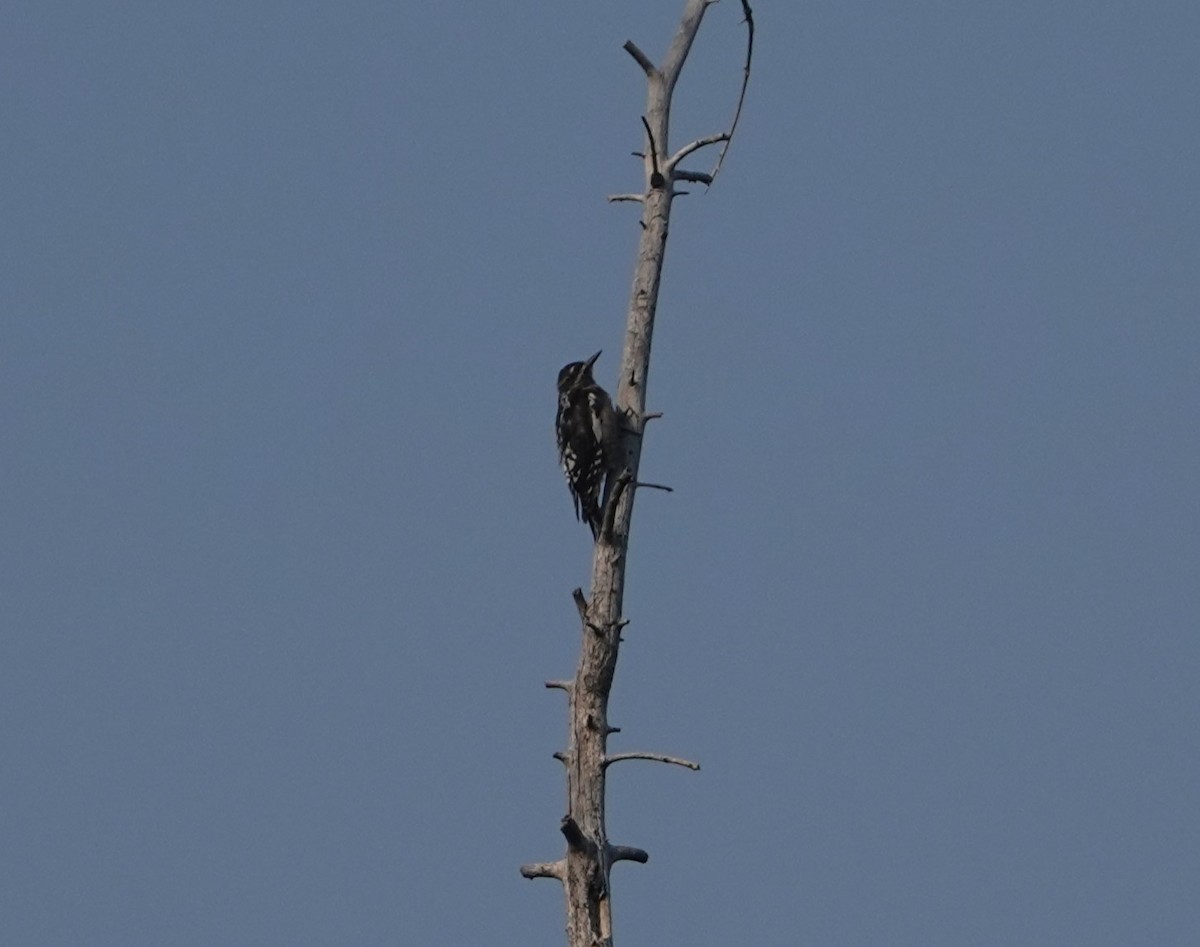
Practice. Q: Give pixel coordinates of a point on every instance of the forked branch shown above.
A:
(668, 75)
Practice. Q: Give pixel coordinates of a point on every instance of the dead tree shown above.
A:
(585, 868)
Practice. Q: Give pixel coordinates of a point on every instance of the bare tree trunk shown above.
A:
(585, 869)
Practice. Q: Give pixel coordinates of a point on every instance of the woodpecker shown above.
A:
(586, 427)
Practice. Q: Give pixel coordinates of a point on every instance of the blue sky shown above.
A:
(287, 555)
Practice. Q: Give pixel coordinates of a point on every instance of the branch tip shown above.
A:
(627, 853)
(640, 58)
(556, 869)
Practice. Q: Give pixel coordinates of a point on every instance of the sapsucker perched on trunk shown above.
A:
(586, 427)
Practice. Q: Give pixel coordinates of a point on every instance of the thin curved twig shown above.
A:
(737, 112)
(656, 177)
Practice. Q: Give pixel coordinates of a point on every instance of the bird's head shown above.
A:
(574, 374)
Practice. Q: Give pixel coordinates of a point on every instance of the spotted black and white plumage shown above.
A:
(586, 427)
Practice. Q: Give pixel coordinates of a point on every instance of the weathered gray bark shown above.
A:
(585, 869)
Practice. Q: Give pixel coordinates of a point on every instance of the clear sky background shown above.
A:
(286, 553)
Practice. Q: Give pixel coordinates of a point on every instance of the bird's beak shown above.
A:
(592, 361)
